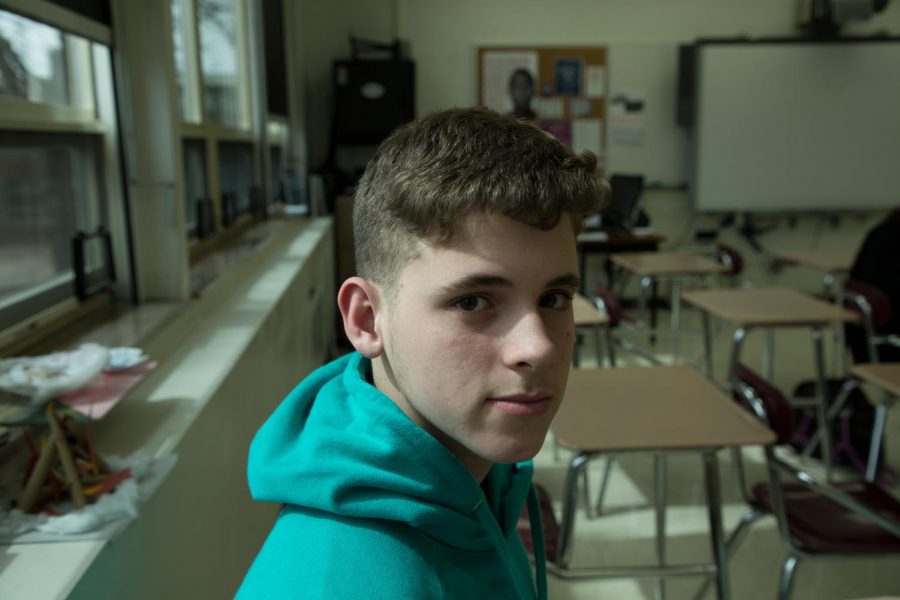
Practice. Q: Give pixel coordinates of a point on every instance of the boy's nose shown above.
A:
(529, 343)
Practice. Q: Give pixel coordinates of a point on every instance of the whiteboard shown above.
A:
(797, 126)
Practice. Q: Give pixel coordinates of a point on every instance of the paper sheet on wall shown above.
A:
(595, 81)
(496, 68)
(626, 118)
(587, 134)
(549, 108)
(580, 108)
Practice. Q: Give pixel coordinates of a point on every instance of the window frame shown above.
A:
(93, 120)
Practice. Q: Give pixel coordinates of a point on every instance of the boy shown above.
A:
(401, 464)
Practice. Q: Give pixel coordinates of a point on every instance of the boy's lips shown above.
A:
(522, 404)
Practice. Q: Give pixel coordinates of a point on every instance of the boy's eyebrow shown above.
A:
(474, 282)
(566, 279)
(478, 281)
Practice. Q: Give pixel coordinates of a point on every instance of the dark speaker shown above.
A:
(687, 77)
(372, 97)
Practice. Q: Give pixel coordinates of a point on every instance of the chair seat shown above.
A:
(820, 525)
(548, 521)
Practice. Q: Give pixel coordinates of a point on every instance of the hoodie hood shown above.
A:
(332, 446)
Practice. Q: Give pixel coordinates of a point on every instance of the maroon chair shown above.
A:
(815, 519)
(874, 308)
(608, 302)
(731, 258)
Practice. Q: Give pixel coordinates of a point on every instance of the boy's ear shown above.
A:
(358, 300)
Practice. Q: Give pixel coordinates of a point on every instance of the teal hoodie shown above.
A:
(375, 507)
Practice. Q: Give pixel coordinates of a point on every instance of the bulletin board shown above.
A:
(568, 90)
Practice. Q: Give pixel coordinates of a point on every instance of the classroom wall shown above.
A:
(326, 28)
(444, 35)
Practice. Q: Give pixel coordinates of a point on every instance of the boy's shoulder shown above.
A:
(312, 554)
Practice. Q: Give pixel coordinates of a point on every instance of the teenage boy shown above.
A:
(403, 466)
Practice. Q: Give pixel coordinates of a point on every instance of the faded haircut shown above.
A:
(430, 174)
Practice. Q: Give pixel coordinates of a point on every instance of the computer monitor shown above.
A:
(626, 191)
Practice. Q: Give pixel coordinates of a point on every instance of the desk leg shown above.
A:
(707, 345)
(642, 300)
(821, 399)
(716, 531)
(598, 345)
(659, 463)
(675, 317)
(875, 444)
(570, 500)
(582, 260)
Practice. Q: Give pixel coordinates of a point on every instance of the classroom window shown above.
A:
(222, 62)
(42, 64)
(58, 163)
(184, 45)
(49, 190)
(236, 180)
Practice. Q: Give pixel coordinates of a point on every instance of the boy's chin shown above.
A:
(518, 452)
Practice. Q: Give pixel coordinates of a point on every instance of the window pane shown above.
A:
(48, 191)
(236, 175)
(221, 63)
(32, 60)
(195, 188)
(183, 42)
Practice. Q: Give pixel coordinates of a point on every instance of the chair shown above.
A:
(732, 260)
(607, 301)
(815, 519)
(874, 308)
(867, 344)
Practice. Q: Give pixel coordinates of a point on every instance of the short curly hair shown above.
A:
(430, 174)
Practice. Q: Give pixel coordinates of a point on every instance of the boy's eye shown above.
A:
(556, 300)
(471, 303)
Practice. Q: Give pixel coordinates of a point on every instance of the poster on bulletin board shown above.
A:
(562, 90)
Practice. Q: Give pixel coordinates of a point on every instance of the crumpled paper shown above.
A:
(41, 378)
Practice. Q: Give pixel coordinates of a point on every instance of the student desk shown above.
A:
(604, 242)
(771, 308)
(675, 266)
(587, 315)
(656, 409)
(831, 262)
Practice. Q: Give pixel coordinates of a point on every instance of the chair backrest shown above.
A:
(731, 258)
(608, 302)
(877, 300)
(776, 409)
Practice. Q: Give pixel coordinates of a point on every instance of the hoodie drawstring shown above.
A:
(537, 542)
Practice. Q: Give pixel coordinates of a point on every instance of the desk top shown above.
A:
(586, 313)
(767, 307)
(829, 261)
(667, 263)
(651, 408)
(884, 375)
